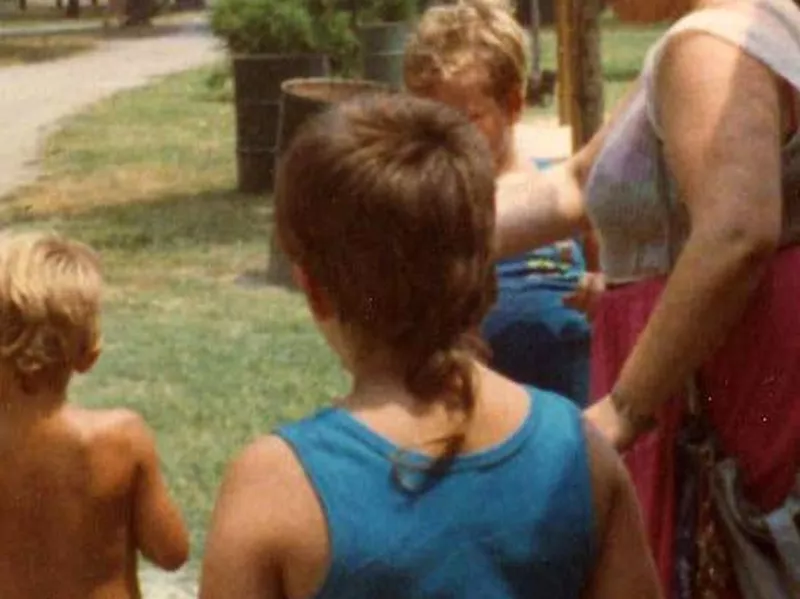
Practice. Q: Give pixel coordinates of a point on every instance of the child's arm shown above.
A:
(246, 543)
(158, 526)
(624, 566)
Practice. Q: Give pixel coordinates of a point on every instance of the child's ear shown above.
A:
(318, 301)
(88, 361)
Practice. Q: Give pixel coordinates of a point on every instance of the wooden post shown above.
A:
(535, 26)
(580, 72)
(587, 79)
(580, 67)
(564, 54)
(73, 9)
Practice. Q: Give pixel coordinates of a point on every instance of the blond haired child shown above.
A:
(433, 476)
(82, 490)
(473, 56)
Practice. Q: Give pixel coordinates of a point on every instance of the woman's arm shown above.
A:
(721, 115)
(535, 209)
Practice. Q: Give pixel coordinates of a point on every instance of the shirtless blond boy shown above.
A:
(81, 491)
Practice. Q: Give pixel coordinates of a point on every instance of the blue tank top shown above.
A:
(513, 521)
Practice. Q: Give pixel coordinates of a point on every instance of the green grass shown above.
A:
(47, 13)
(28, 50)
(623, 49)
(147, 178)
(74, 38)
(39, 13)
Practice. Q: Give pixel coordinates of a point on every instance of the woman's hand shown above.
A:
(604, 416)
(587, 294)
(618, 423)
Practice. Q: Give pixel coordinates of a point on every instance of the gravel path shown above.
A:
(34, 98)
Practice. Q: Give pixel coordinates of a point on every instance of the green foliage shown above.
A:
(388, 11)
(283, 27)
(340, 43)
(219, 82)
(264, 26)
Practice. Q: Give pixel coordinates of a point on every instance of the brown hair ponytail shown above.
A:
(387, 203)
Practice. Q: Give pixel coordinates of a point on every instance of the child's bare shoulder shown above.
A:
(267, 460)
(266, 511)
(121, 428)
(268, 467)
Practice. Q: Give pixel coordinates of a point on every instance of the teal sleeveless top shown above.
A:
(513, 521)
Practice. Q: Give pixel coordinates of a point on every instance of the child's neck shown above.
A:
(373, 386)
(379, 381)
(376, 388)
(18, 407)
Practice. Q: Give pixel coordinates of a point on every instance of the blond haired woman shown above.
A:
(694, 188)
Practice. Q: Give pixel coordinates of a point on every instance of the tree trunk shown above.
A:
(588, 78)
(138, 12)
(565, 55)
(73, 9)
(587, 110)
(535, 77)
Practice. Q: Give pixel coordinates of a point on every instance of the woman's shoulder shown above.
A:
(768, 30)
(765, 30)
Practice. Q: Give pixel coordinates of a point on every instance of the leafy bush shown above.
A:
(336, 36)
(263, 26)
(219, 83)
(283, 26)
(388, 11)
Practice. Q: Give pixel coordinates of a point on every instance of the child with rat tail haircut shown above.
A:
(82, 492)
(433, 476)
(473, 56)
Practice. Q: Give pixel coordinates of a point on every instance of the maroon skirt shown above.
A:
(753, 385)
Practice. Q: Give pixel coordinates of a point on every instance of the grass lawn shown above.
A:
(39, 12)
(147, 178)
(46, 45)
(45, 12)
(25, 50)
(623, 50)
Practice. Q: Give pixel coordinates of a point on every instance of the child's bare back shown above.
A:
(81, 490)
(82, 493)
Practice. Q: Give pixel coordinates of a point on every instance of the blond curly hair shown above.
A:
(453, 38)
(50, 291)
